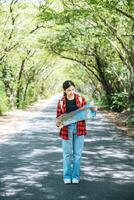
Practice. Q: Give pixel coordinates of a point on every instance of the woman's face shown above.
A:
(70, 91)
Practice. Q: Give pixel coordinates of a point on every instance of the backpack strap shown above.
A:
(80, 100)
(61, 105)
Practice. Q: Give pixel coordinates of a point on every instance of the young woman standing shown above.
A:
(72, 135)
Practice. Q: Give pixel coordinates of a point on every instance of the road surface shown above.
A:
(31, 162)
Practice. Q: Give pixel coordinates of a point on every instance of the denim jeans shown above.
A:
(72, 151)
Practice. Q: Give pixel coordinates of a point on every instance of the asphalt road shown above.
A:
(31, 162)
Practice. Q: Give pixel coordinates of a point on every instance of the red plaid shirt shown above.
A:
(81, 125)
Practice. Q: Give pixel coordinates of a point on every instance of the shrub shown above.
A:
(119, 101)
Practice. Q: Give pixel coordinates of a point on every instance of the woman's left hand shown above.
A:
(94, 108)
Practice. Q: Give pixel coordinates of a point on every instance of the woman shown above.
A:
(73, 134)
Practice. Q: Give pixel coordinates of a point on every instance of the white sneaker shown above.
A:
(75, 181)
(67, 181)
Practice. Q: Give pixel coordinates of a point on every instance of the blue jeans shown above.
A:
(72, 151)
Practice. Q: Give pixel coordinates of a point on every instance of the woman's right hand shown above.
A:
(59, 124)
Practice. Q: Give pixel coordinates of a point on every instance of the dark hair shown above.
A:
(67, 84)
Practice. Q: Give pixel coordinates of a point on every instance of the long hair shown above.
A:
(66, 85)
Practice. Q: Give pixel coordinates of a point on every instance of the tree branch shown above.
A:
(76, 60)
(124, 13)
(36, 28)
(114, 31)
(120, 55)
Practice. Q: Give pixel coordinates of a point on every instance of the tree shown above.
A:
(93, 34)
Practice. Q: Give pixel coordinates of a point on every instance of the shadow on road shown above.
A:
(31, 163)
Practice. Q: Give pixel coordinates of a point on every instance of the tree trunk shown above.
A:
(105, 83)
